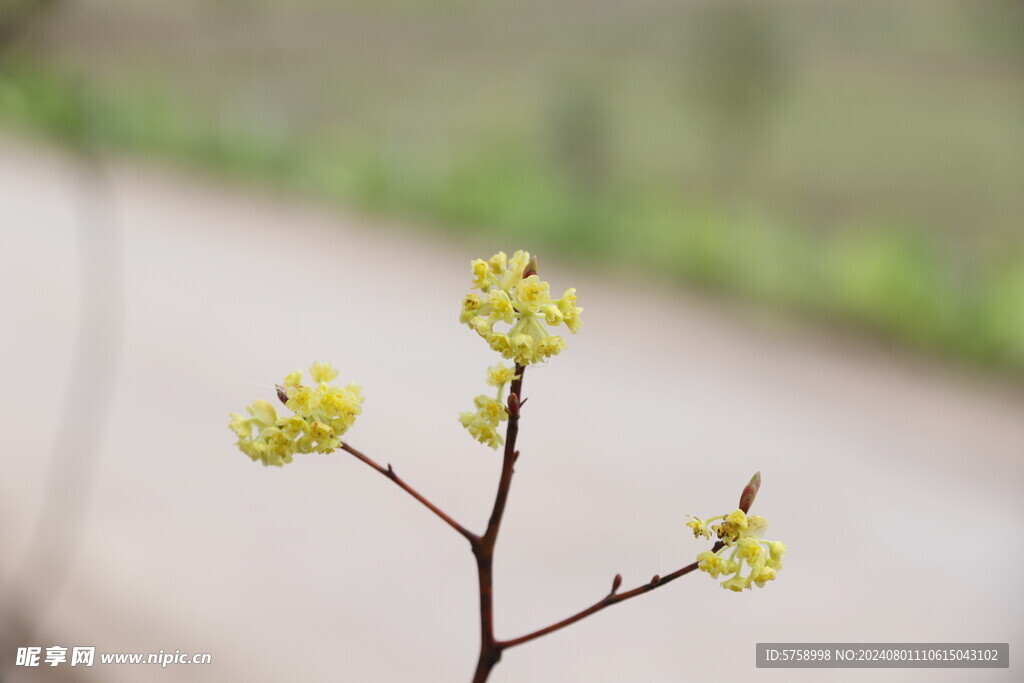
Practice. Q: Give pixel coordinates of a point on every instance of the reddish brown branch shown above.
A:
(611, 599)
(389, 472)
(490, 651)
(483, 546)
(614, 597)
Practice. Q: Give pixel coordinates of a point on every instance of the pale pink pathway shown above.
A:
(897, 488)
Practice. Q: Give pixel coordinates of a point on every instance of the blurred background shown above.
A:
(799, 225)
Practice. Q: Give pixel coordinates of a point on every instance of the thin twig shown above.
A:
(490, 652)
(389, 472)
(607, 601)
(614, 597)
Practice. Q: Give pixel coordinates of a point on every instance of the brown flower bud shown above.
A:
(513, 405)
(750, 492)
(531, 267)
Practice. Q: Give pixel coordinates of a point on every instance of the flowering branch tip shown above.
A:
(509, 292)
(322, 413)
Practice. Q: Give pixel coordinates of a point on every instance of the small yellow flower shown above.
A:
(498, 263)
(241, 426)
(481, 275)
(699, 528)
(737, 583)
(709, 562)
(324, 436)
(776, 550)
(501, 307)
(750, 550)
(499, 375)
(530, 294)
(522, 349)
(513, 273)
(482, 325)
(553, 316)
(300, 399)
(263, 412)
(490, 412)
(499, 342)
(551, 346)
(482, 429)
(518, 262)
(490, 408)
(292, 379)
(761, 575)
(570, 312)
(737, 519)
(322, 372)
(338, 407)
(470, 305)
(726, 533)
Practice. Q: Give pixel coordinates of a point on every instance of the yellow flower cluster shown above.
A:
(741, 533)
(490, 412)
(322, 414)
(525, 303)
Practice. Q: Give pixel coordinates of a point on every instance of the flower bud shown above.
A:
(750, 492)
(513, 405)
(531, 267)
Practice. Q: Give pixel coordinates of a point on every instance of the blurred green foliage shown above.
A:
(891, 209)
